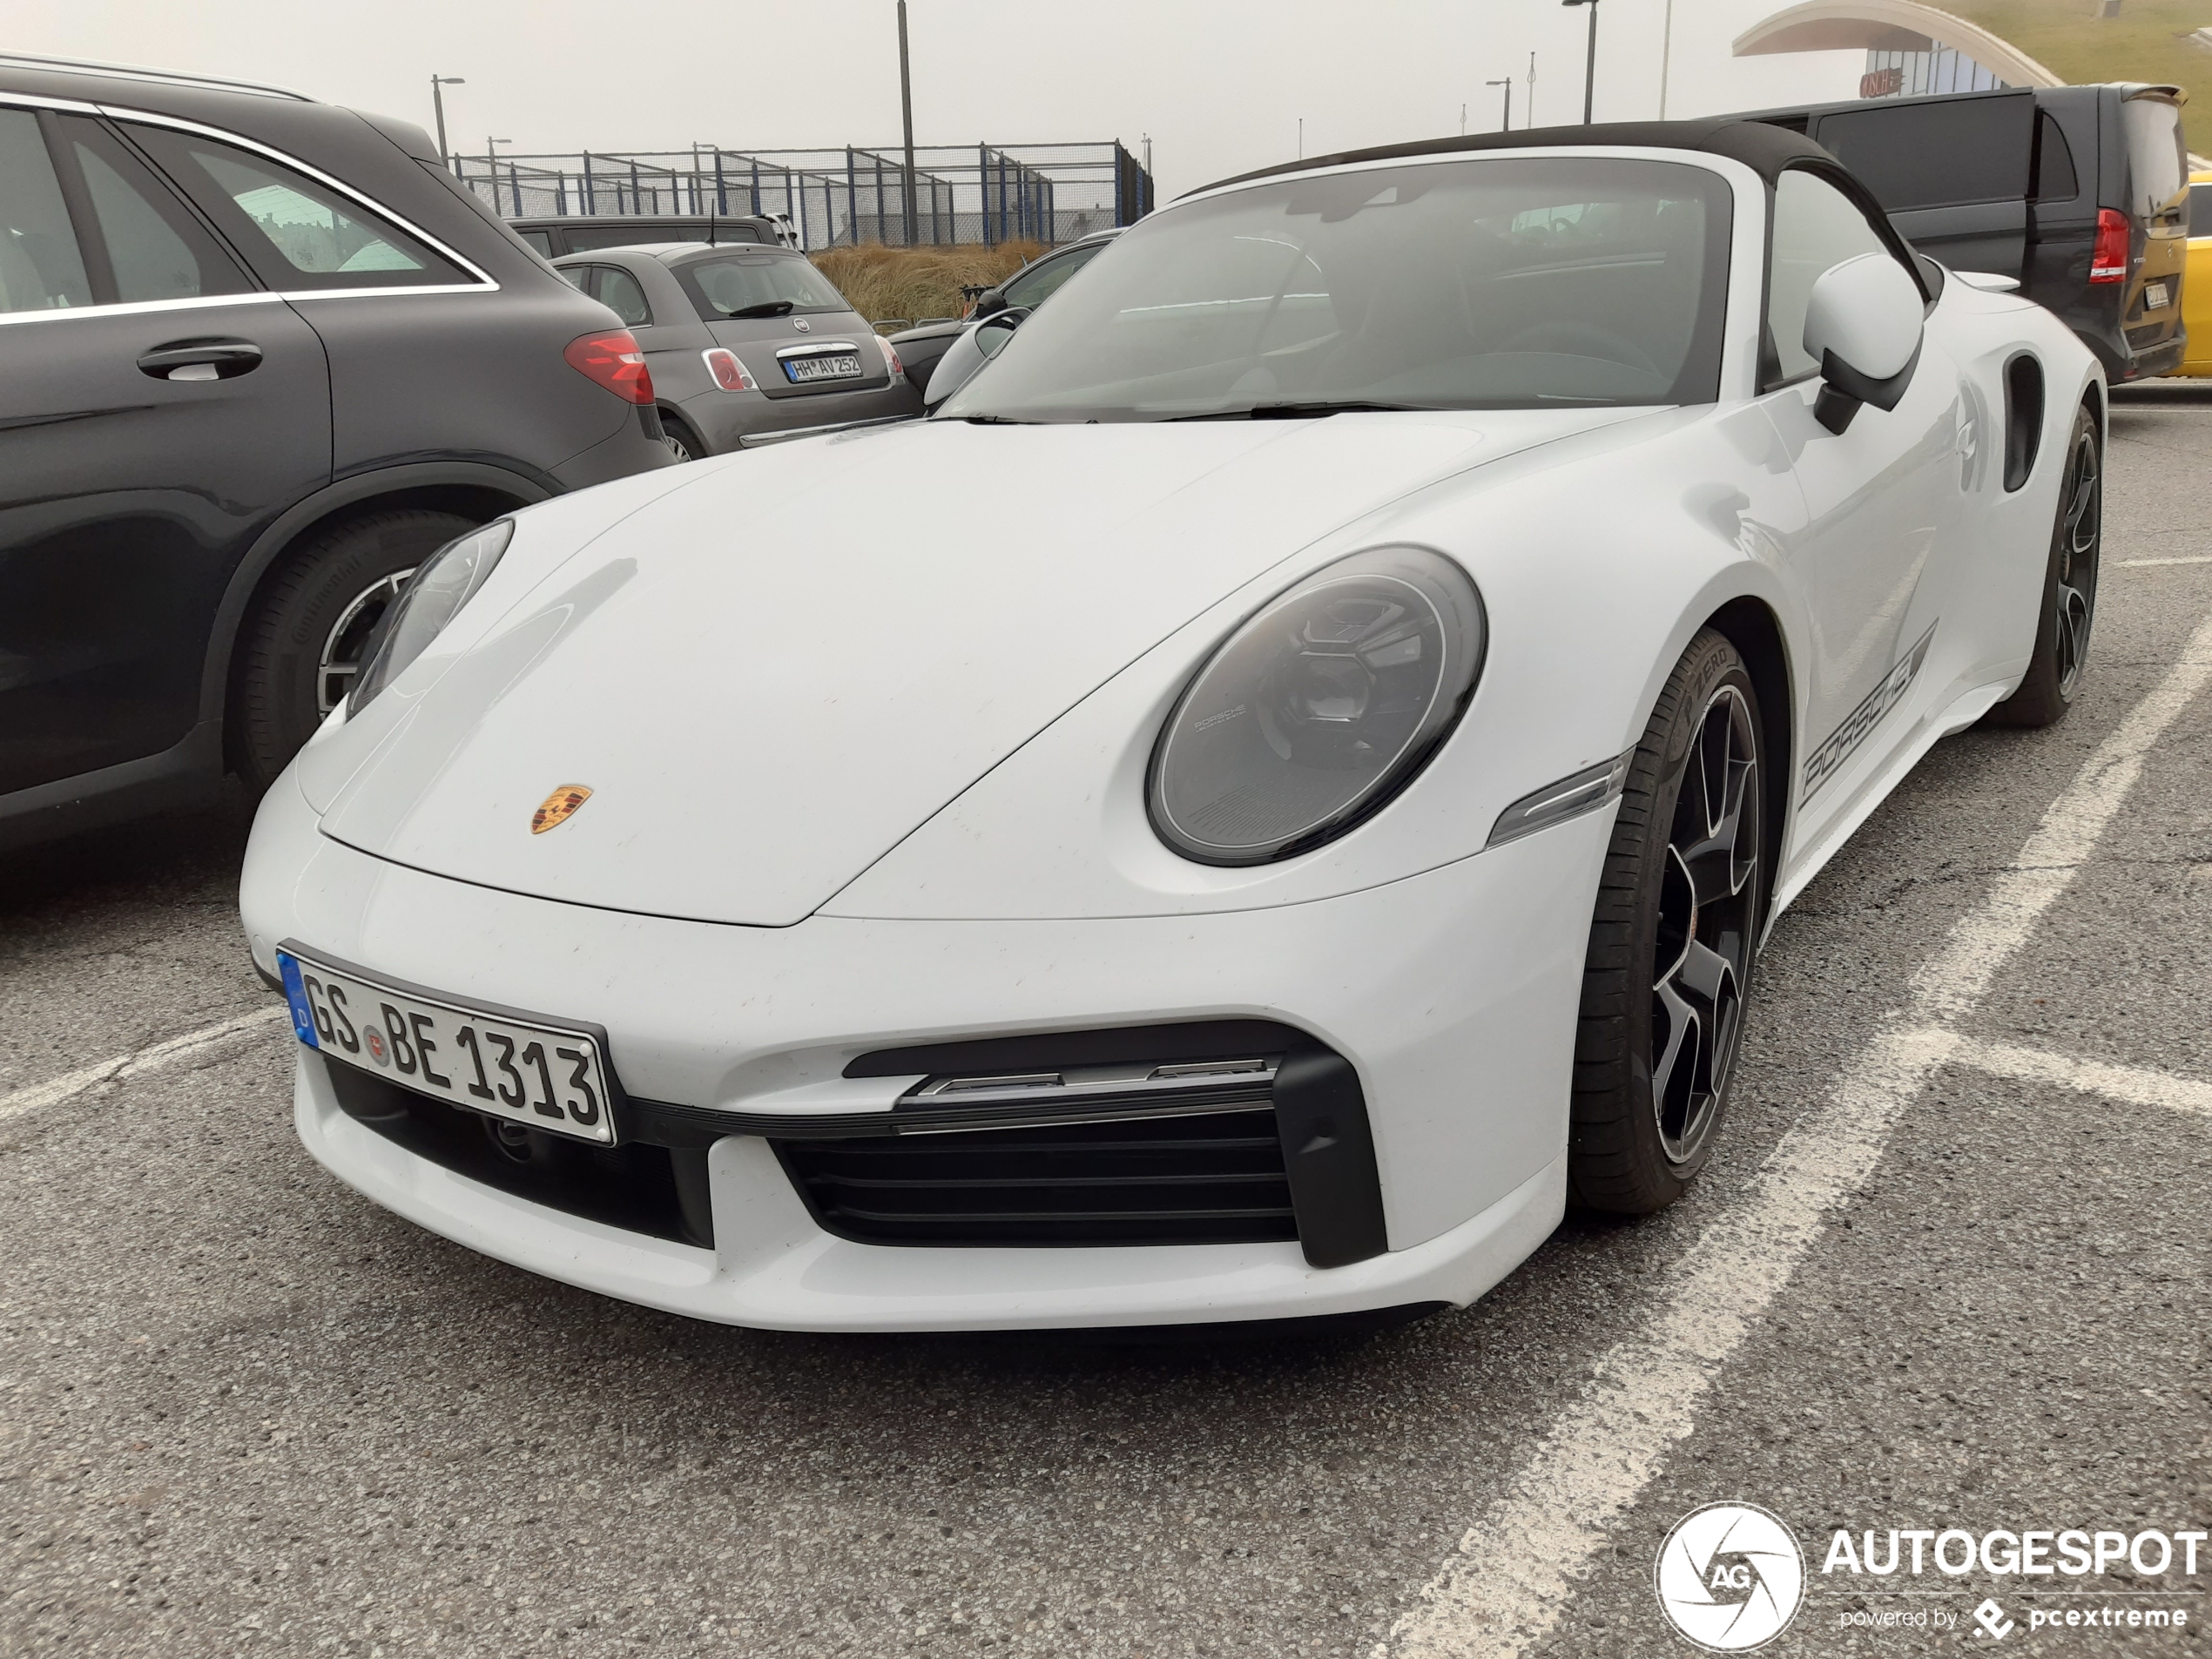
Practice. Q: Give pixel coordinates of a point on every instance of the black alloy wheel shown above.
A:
(2069, 608)
(1676, 927)
(1703, 948)
(2073, 605)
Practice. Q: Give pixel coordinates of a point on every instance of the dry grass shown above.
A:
(2148, 41)
(911, 283)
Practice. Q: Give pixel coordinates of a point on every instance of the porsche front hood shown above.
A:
(769, 677)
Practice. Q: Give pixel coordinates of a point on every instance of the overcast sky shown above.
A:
(1219, 84)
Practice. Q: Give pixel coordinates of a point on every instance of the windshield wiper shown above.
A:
(1305, 411)
(995, 420)
(766, 308)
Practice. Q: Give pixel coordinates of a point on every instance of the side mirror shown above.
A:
(994, 331)
(989, 303)
(1862, 327)
(975, 346)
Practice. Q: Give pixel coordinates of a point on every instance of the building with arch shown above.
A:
(1911, 49)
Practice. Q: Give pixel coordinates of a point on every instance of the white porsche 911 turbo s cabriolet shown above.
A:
(1306, 816)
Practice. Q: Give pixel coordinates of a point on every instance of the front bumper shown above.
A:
(1452, 994)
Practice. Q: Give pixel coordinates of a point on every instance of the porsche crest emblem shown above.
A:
(558, 807)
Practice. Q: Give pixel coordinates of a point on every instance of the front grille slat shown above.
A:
(946, 1183)
(964, 1218)
(1212, 1178)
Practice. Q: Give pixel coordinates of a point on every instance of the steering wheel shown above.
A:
(1580, 340)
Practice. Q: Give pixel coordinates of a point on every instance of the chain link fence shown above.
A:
(981, 194)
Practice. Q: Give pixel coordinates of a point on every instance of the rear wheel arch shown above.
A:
(467, 490)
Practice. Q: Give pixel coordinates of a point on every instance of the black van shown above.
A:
(557, 237)
(262, 356)
(2081, 192)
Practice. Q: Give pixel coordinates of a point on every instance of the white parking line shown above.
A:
(2137, 565)
(1517, 1567)
(2131, 1083)
(157, 1057)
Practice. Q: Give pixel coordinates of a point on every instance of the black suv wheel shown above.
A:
(300, 648)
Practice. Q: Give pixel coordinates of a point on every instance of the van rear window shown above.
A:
(1937, 155)
(2158, 168)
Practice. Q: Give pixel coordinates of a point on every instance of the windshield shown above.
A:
(1538, 283)
(757, 284)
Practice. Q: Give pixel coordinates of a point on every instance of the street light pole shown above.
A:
(1590, 67)
(907, 112)
(438, 84)
(1507, 85)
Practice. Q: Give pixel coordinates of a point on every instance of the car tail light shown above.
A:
(2109, 262)
(729, 373)
(891, 357)
(615, 362)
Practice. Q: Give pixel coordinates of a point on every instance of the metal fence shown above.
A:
(984, 194)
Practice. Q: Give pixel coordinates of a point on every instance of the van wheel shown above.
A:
(2069, 607)
(301, 645)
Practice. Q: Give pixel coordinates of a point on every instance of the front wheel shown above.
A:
(2061, 655)
(1676, 924)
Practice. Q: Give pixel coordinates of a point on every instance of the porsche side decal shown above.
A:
(1837, 747)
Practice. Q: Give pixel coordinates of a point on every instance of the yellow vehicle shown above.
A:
(2197, 280)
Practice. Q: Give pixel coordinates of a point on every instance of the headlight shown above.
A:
(1318, 710)
(441, 585)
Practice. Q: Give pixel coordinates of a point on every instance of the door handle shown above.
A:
(201, 360)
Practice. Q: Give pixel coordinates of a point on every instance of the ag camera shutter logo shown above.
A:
(1730, 1577)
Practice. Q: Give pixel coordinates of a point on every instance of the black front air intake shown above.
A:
(1231, 1132)
(1216, 1178)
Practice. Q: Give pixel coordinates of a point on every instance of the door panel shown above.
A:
(1881, 499)
(125, 502)
(127, 497)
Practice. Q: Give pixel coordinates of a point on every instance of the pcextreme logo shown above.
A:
(1730, 1577)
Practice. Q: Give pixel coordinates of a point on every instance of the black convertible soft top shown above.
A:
(1767, 150)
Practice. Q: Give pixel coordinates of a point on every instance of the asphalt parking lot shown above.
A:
(1949, 1270)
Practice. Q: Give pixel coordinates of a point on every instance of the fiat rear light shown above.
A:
(615, 362)
(729, 373)
(891, 357)
(2108, 261)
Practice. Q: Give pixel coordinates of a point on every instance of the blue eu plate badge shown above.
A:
(303, 1014)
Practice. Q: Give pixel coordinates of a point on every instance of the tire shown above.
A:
(682, 441)
(2069, 606)
(1679, 909)
(302, 642)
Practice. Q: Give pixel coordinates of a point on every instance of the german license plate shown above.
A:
(547, 1076)
(2156, 296)
(827, 366)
